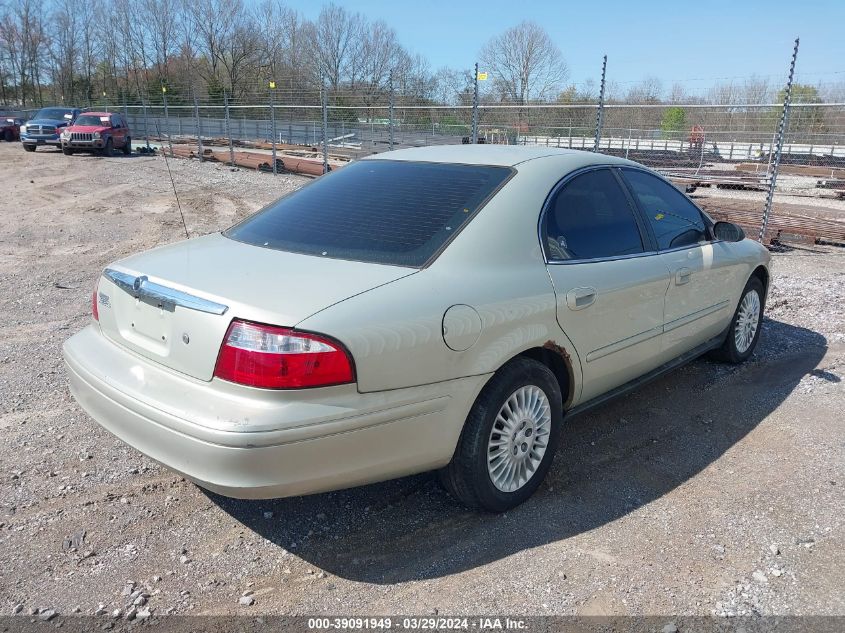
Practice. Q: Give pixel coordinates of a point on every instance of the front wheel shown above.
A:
(67, 151)
(127, 146)
(108, 150)
(509, 439)
(29, 148)
(744, 331)
(8, 136)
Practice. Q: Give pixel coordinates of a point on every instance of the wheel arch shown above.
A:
(762, 273)
(558, 360)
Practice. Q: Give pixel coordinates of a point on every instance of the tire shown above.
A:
(8, 136)
(29, 148)
(127, 146)
(744, 331)
(108, 150)
(468, 477)
(67, 151)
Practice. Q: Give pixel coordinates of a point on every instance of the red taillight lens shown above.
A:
(280, 358)
(94, 310)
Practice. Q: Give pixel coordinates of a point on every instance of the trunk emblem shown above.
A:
(185, 338)
(139, 281)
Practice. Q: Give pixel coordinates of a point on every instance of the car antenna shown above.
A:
(173, 183)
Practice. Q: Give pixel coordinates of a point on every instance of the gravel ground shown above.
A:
(715, 490)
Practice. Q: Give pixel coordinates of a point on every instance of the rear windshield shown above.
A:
(388, 212)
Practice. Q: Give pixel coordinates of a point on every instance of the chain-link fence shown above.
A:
(792, 145)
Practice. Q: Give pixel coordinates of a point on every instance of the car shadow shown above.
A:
(611, 462)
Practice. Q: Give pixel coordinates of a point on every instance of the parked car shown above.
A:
(10, 128)
(46, 126)
(430, 308)
(100, 132)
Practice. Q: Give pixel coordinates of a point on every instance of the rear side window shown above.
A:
(675, 220)
(589, 218)
(388, 212)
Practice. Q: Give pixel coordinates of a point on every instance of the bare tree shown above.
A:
(162, 19)
(647, 90)
(335, 38)
(524, 63)
(64, 50)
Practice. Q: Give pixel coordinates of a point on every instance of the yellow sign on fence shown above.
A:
(482, 76)
(272, 85)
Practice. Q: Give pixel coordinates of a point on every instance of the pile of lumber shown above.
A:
(254, 160)
(785, 227)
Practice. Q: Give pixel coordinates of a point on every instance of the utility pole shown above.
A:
(228, 128)
(166, 118)
(600, 109)
(325, 104)
(273, 123)
(197, 121)
(784, 115)
(390, 111)
(475, 107)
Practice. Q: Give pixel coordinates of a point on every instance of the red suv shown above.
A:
(100, 132)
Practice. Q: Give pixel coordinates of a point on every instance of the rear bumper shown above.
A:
(269, 445)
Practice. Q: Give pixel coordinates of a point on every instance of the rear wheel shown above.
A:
(744, 331)
(29, 148)
(509, 439)
(127, 146)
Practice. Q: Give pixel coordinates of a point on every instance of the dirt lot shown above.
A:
(716, 490)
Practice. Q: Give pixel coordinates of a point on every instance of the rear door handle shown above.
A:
(580, 298)
(682, 276)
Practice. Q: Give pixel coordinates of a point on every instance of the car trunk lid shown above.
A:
(174, 304)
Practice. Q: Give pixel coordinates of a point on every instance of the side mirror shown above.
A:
(728, 232)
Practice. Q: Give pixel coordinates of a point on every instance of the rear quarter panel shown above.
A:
(495, 265)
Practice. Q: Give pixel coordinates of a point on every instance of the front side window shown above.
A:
(590, 218)
(379, 211)
(675, 220)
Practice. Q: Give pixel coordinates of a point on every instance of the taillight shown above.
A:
(274, 357)
(94, 310)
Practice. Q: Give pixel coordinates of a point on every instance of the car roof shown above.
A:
(100, 113)
(499, 155)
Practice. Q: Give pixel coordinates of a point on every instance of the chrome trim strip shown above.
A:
(694, 316)
(611, 258)
(143, 288)
(625, 343)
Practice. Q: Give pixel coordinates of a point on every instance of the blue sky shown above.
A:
(678, 40)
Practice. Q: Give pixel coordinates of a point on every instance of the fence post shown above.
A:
(125, 108)
(273, 123)
(197, 122)
(767, 209)
(228, 128)
(166, 118)
(390, 111)
(325, 106)
(600, 108)
(146, 128)
(475, 106)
